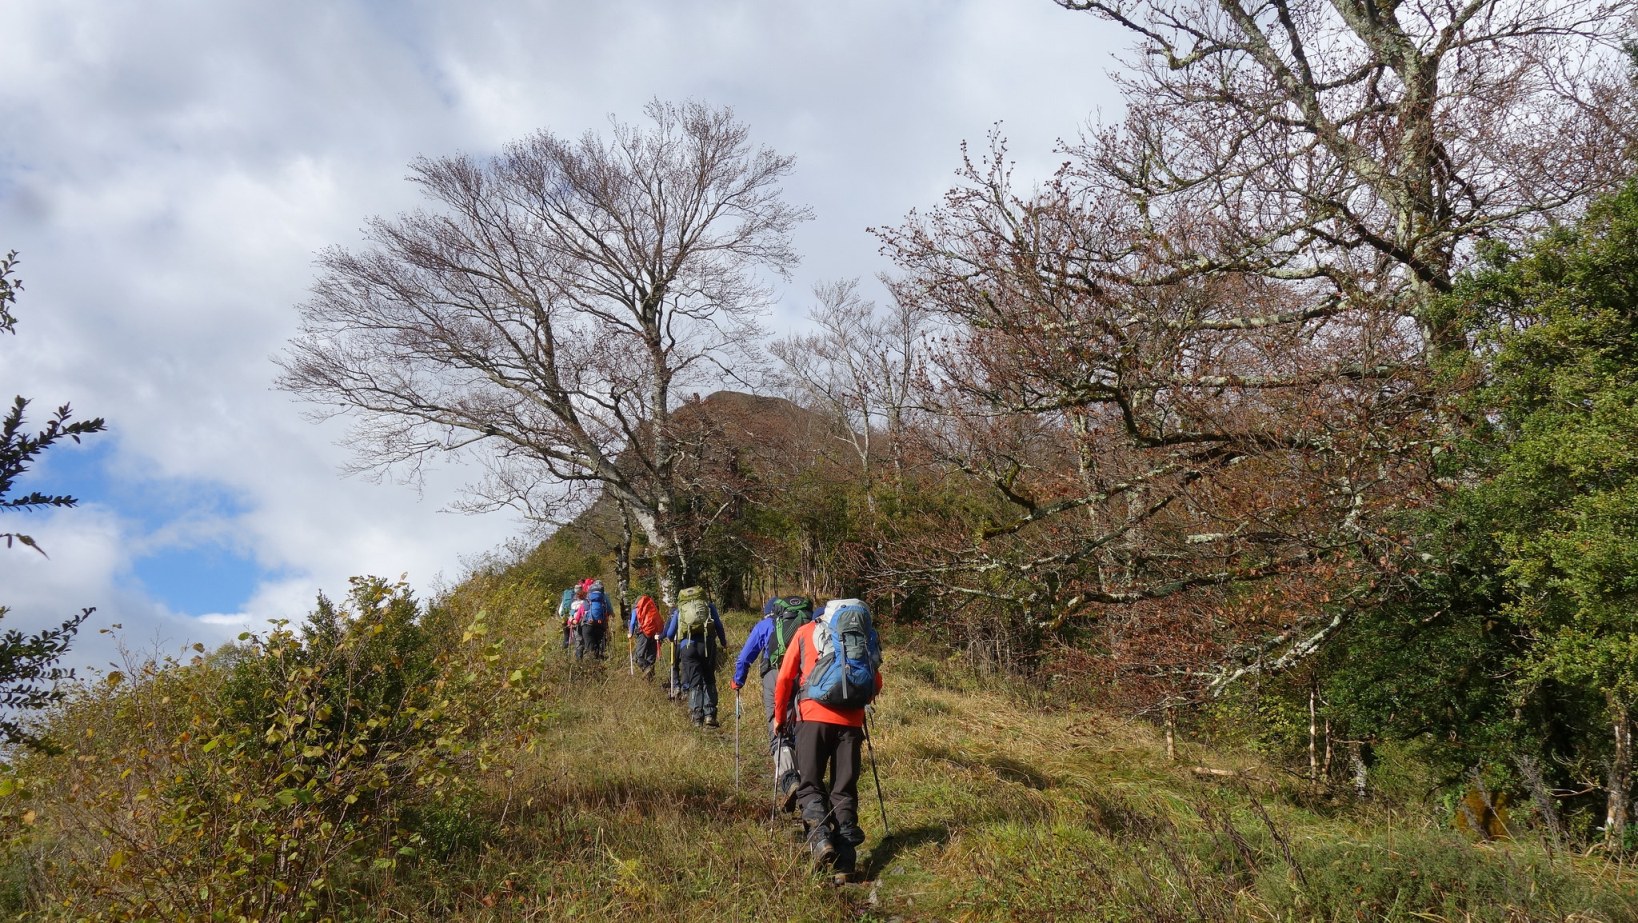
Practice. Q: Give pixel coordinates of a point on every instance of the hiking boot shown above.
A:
(787, 792)
(711, 721)
(851, 833)
(824, 851)
(695, 720)
(845, 862)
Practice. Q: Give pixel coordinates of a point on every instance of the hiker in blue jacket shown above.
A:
(696, 631)
(766, 647)
(594, 623)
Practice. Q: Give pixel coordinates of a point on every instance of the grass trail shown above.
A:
(622, 810)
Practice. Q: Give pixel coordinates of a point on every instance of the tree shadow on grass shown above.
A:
(884, 852)
(1004, 767)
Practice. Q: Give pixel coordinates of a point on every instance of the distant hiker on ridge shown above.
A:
(577, 611)
(768, 642)
(696, 631)
(647, 628)
(565, 609)
(831, 672)
(594, 621)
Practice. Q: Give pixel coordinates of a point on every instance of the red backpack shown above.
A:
(648, 617)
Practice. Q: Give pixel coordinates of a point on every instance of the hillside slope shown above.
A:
(997, 811)
(591, 797)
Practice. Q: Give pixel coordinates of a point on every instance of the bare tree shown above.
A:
(1141, 436)
(545, 312)
(860, 367)
(1368, 145)
(1199, 355)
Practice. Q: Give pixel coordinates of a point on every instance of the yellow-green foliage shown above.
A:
(504, 781)
(269, 781)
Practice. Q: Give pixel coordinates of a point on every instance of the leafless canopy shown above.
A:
(1369, 145)
(546, 307)
(860, 366)
(1199, 355)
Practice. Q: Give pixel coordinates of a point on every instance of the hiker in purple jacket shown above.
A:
(766, 646)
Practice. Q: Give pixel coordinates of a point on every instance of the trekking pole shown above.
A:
(631, 655)
(736, 740)
(880, 802)
(672, 693)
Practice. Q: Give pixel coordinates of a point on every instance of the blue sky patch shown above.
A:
(199, 580)
(198, 573)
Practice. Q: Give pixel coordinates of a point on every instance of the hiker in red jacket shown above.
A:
(831, 671)
(646, 626)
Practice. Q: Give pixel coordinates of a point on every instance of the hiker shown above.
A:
(645, 626)
(696, 632)
(577, 610)
(830, 673)
(565, 608)
(594, 620)
(766, 646)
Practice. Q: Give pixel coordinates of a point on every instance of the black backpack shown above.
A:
(789, 614)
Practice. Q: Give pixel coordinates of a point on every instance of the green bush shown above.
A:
(277, 780)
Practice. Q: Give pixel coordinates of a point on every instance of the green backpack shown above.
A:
(693, 613)
(789, 613)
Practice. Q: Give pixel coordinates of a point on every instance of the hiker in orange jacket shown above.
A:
(827, 735)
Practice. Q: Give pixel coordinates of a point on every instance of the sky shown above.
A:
(169, 169)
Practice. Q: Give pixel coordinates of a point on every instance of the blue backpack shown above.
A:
(848, 656)
(597, 606)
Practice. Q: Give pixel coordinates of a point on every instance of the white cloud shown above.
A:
(89, 567)
(170, 168)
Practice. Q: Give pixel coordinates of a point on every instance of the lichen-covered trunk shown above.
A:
(657, 517)
(1360, 768)
(662, 552)
(1313, 730)
(1619, 784)
(622, 561)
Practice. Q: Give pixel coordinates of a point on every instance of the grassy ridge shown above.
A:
(998, 812)
(585, 794)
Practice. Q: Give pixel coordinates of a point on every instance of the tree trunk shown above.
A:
(622, 561)
(669, 565)
(1615, 815)
(1361, 770)
(663, 553)
(1313, 731)
(1325, 767)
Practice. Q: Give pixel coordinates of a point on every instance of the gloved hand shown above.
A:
(733, 685)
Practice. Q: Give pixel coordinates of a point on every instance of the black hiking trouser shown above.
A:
(699, 675)
(592, 639)
(820, 745)
(648, 651)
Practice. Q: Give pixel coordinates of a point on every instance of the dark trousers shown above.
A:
(648, 651)
(699, 674)
(592, 638)
(820, 745)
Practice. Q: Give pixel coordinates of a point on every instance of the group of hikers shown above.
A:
(819, 668)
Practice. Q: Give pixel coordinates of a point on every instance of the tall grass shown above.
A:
(586, 794)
